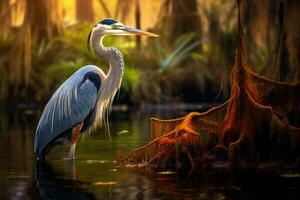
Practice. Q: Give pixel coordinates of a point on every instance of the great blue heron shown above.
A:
(85, 98)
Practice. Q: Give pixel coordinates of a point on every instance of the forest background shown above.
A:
(42, 42)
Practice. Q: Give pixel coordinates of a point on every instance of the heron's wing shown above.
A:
(70, 104)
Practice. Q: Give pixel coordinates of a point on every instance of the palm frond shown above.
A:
(182, 48)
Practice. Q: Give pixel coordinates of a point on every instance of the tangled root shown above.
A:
(253, 126)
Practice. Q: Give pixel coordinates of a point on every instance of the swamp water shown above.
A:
(95, 175)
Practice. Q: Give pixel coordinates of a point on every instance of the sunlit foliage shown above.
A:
(43, 42)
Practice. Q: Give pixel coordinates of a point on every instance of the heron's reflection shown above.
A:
(53, 185)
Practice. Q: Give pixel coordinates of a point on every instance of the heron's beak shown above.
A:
(134, 31)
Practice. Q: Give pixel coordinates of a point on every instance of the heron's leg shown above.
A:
(74, 138)
(72, 169)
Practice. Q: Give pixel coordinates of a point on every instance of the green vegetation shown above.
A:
(193, 55)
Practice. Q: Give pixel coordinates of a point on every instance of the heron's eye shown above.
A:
(117, 26)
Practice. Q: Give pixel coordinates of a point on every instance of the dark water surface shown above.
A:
(95, 175)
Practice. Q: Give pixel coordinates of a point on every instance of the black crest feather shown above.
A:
(108, 21)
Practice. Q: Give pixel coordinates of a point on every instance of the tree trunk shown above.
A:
(137, 15)
(44, 18)
(42, 22)
(261, 21)
(179, 17)
(84, 10)
(5, 17)
(288, 60)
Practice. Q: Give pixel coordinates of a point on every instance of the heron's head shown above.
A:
(111, 26)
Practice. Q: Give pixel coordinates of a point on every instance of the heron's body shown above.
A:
(59, 116)
(84, 99)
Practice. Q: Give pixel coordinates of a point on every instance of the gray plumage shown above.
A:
(70, 104)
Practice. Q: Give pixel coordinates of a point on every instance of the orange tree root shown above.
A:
(258, 124)
(244, 129)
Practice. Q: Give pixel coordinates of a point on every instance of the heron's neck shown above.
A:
(112, 81)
